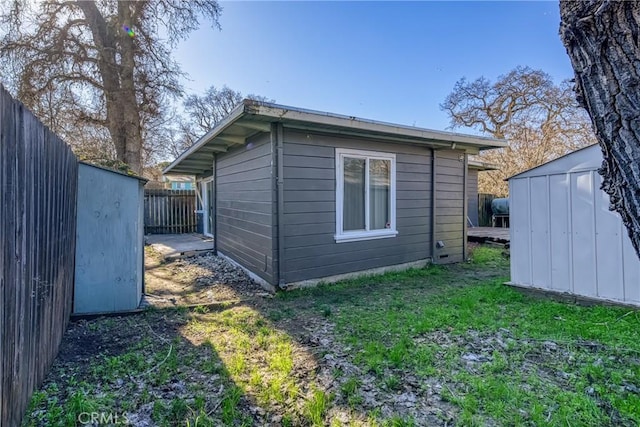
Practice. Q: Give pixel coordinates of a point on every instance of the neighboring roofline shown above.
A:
(550, 161)
(180, 178)
(482, 166)
(139, 178)
(310, 118)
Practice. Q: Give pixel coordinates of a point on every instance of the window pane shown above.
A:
(353, 213)
(379, 187)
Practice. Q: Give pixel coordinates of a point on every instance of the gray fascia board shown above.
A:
(284, 113)
(482, 166)
(335, 123)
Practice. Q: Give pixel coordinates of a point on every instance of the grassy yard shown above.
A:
(444, 345)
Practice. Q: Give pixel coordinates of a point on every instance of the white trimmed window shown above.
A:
(365, 195)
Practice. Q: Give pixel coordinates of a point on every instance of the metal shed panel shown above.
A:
(540, 263)
(109, 242)
(520, 231)
(583, 240)
(560, 226)
(610, 271)
(630, 267)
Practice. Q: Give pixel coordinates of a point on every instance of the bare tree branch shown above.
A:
(540, 119)
(74, 64)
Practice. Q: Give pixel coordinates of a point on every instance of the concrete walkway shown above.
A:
(177, 245)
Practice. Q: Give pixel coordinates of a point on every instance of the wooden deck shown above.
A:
(488, 234)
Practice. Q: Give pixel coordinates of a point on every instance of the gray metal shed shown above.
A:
(298, 196)
(564, 238)
(109, 273)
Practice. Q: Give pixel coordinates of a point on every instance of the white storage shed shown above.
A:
(564, 238)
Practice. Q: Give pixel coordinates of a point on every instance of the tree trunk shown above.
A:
(602, 39)
(133, 130)
(123, 116)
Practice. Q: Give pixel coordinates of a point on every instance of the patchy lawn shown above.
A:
(435, 346)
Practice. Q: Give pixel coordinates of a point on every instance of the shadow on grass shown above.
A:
(139, 370)
(361, 352)
(251, 363)
(431, 346)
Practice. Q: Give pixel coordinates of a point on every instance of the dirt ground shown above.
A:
(201, 279)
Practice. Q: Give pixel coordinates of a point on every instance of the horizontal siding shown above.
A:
(321, 228)
(368, 251)
(246, 205)
(447, 228)
(312, 196)
(308, 162)
(247, 196)
(449, 188)
(237, 217)
(246, 176)
(232, 190)
(324, 243)
(309, 185)
(451, 195)
(245, 239)
(307, 173)
(245, 208)
(348, 266)
(309, 207)
(303, 218)
(309, 218)
(450, 206)
(444, 178)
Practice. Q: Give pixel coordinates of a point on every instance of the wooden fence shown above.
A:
(38, 178)
(169, 211)
(484, 209)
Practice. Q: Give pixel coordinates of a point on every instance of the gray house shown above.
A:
(297, 196)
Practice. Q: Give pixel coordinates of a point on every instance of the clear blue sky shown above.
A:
(389, 61)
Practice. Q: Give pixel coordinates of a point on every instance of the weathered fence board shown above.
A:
(38, 179)
(169, 211)
(484, 209)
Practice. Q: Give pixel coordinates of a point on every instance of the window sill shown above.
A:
(369, 235)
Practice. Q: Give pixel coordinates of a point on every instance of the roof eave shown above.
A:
(333, 123)
(237, 113)
(283, 113)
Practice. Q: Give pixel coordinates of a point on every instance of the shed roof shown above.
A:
(252, 117)
(587, 158)
(139, 178)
